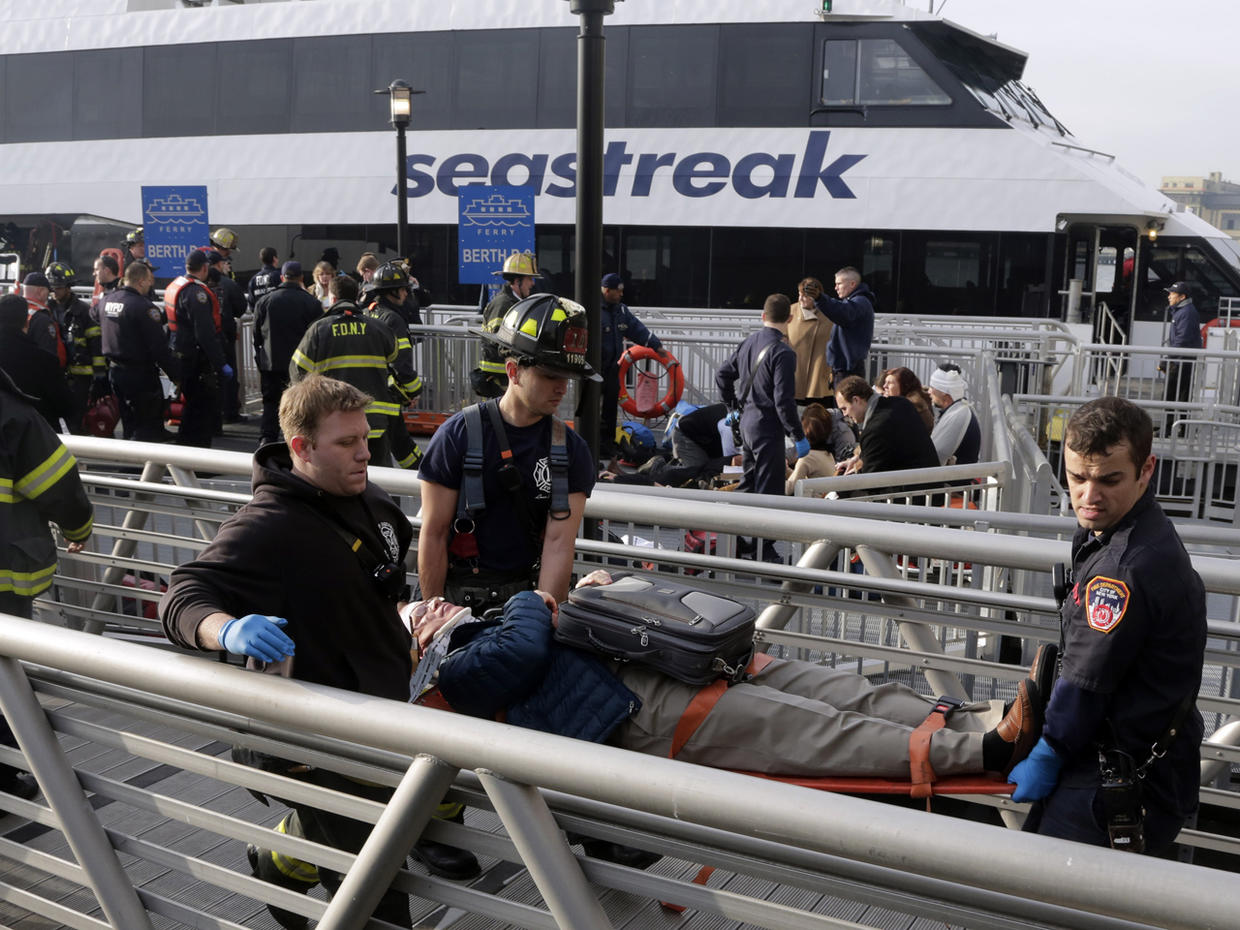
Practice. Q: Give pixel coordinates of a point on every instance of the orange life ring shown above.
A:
(674, 390)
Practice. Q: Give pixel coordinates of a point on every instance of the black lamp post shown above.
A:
(589, 245)
(400, 97)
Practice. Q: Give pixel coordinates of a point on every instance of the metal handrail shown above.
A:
(1026, 867)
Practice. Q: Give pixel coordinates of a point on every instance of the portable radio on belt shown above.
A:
(1121, 801)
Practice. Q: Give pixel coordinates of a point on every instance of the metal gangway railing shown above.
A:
(992, 582)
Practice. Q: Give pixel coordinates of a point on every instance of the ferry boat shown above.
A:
(748, 143)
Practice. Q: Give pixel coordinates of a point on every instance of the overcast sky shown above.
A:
(1152, 82)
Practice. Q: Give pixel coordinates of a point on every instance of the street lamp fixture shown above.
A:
(400, 97)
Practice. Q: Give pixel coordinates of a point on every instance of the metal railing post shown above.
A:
(91, 847)
(545, 853)
(394, 834)
(918, 636)
(777, 615)
(123, 548)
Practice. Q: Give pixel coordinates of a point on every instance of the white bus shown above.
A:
(749, 143)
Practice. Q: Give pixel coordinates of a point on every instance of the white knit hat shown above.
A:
(949, 382)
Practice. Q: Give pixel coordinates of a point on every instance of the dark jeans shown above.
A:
(1075, 812)
(141, 397)
(273, 384)
(230, 388)
(1179, 387)
(839, 374)
(201, 410)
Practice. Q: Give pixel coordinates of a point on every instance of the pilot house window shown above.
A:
(875, 72)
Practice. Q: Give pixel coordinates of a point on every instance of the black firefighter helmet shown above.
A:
(549, 330)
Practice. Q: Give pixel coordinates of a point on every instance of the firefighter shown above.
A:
(521, 275)
(136, 348)
(231, 298)
(41, 325)
(135, 247)
(224, 240)
(390, 287)
(194, 319)
(347, 344)
(87, 369)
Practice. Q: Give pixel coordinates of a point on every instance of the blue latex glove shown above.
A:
(802, 447)
(258, 636)
(1037, 775)
(732, 418)
(227, 370)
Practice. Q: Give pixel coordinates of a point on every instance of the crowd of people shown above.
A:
(504, 486)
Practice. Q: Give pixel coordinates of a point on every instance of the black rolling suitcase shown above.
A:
(681, 631)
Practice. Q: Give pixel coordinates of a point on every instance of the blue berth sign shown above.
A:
(174, 223)
(495, 221)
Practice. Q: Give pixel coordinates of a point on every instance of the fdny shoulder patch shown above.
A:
(154, 314)
(1106, 601)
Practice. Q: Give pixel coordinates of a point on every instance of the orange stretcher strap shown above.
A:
(704, 702)
(862, 784)
(921, 773)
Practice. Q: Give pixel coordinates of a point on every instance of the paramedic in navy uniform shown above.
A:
(770, 410)
(1135, 633)
(519, 544)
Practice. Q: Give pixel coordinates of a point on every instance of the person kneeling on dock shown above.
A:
(785, 717)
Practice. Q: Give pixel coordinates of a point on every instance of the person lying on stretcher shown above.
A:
(787, 717)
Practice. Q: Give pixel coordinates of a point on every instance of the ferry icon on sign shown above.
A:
(174, 209)
(496, 210)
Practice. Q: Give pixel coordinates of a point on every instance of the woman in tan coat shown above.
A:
(808, 332)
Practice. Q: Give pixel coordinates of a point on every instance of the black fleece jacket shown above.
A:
(280, 555)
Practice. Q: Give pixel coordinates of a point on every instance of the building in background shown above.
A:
(1214, 200)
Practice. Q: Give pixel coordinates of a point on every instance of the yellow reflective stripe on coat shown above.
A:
(296, 869)
(81, 533)
(45, 475)
(6, 491)
(351, 361)
(305, 362)
(81, 370)
(384, 408)
(402, 344)
(27, 584)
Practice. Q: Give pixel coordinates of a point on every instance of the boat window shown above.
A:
(494, 85)
(875, 72)
(47, 115)
(244, 68)
(169, 74)
(672, 77)
(99, 75)
(763, 78)
(331, 76)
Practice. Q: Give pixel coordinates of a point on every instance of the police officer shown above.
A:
(764, 367)
(390, 288)
(521, 275)
(266, 279)
(1184, 333)
(87, 369)
(107, 274)
(351, 346)
(1118, 762)
(195, 320)
(232, 307)
(518, 539)
(136, 348)
(280, 320)
(619, 325)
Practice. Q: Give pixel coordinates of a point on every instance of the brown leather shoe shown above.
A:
(1022, 725)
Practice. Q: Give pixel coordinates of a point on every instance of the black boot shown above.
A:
(263, 867)
(614, 852)
(447, 861)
